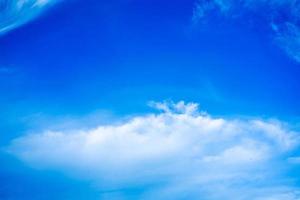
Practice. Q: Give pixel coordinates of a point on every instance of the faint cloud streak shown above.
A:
(14, 13)
(282, 17)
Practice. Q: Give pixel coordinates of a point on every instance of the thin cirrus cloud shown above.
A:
(14, 13)
(281, 17)
(180, 152)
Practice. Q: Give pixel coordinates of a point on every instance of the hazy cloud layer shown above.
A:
(14, 13)
(181, 152)
(281, 17)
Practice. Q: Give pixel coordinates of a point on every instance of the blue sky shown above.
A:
(140, 99)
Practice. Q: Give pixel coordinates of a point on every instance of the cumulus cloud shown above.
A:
(14, 13)
(281, 17)
(184, 152)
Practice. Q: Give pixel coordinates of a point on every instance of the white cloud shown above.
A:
(14, 13)
(281, 17)
(181, 149)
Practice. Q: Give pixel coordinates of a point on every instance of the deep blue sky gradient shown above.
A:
(81, 56)
(125, 49)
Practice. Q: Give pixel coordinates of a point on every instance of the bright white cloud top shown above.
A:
(184, 152)
(14, 13)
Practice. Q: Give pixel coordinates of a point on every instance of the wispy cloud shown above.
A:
(14, 13)
(184, 152)
(289, 39)
(281, 16)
